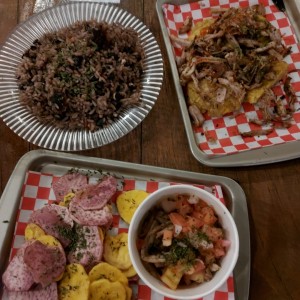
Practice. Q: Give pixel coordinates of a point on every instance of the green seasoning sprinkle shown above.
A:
(180, 251)
(65, 232)
(202, 236)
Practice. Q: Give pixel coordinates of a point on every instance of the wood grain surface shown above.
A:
(272, 191)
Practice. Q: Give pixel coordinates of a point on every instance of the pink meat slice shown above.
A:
(38, 293)
(98, 217)
(45, 262)
(68, 183)
(55, 220)
(89, 248)
(96, 196)
(17, 276)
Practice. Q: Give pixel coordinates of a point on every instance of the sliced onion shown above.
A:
(193, 199)
(168, 205)
(177, 229)
(226, 243)
(215, 268)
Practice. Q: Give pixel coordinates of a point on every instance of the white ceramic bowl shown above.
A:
(228, 261)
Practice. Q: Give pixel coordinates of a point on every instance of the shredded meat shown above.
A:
(236, 55)
(82, 76)
(187, 25)
(258, 132)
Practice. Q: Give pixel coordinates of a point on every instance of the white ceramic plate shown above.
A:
(23, 123)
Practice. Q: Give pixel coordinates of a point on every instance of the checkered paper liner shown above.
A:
(37, 191)
(221, 136)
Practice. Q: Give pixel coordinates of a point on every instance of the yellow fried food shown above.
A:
(103, 289)
(205, 104)
(101, 233)
(209, 88)
(217, 82)
(74, 284)
(200, 28)
(116, 251)
(130, 272)
(49, 240)
(33, 231)
(104, 270)
(128, 202)
(172, 276)
(67, 199)
(128, 291)
(280, 70)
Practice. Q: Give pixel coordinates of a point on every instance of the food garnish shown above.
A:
(235, 57)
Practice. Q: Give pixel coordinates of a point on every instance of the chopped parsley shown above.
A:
(181, 251)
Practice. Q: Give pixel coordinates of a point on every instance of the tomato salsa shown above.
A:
(181, 241)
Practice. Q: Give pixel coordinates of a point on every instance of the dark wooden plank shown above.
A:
(12, 147)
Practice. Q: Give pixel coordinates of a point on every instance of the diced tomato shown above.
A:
(213, 233)
(197, 214)
(198, 206)
(177, 219)
(219, 250)
(194, 222)
(208, 215)
(183, 206)
(199, 265)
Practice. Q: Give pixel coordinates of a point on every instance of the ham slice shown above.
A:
(46, 263)
(88, 249)
(55, 220)
(96, 196)
(69, 183)
(38, 293)
(96, 217)
(17, 276)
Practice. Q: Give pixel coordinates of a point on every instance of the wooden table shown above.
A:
(272, 191)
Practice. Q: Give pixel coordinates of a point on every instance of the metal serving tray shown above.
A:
(260, 156)
(51, 162)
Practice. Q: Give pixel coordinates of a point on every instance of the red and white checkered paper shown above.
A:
(220, 136)
(37, 192)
